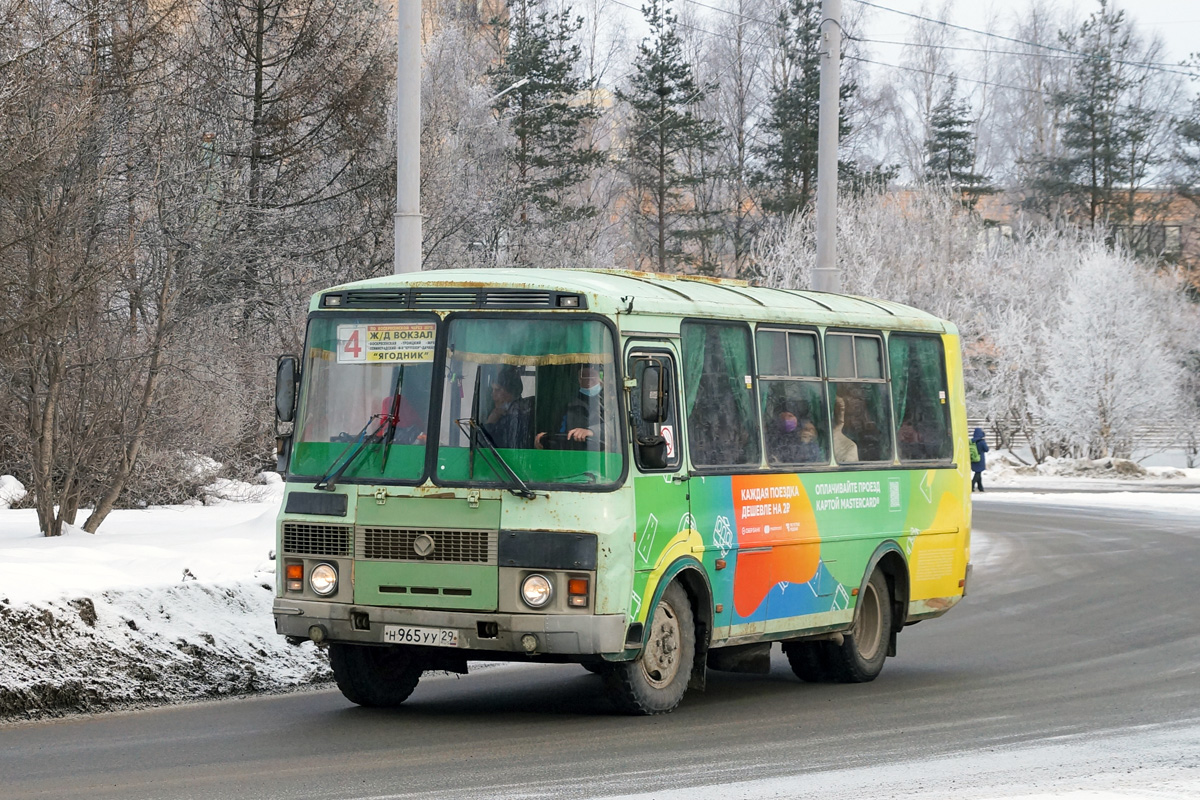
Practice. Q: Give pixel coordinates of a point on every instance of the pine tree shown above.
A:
(788, 175)
(950, 148)
(548, 157)
(669, 143)
(1105, 133)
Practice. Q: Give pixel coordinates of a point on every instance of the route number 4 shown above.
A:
(351, 348)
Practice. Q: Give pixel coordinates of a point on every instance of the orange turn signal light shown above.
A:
(577, 586)
(295, 572)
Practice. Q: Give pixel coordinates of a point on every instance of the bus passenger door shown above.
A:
(665, 528)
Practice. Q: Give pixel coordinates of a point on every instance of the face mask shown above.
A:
(590, 391)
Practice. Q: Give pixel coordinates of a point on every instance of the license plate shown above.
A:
(411, 634)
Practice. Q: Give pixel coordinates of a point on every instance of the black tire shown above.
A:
(375, 677)
(865, 646)
(657, 679)
(809, 660)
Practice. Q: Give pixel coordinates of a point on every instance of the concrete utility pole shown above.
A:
(408, 137)
(826, 277)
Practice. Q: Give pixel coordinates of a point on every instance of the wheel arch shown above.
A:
(889, 559)
(691, 576)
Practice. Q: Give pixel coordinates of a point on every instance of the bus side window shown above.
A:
(919, 397)
(718, 393)
(858, 398)
(795, 423)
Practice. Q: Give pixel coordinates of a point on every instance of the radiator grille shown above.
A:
(306, 538)
(400, 544)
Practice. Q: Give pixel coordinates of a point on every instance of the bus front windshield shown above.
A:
(534, 397)
(368, 380)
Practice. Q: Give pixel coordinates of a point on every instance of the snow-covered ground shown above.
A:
(1108, 474)
(174, 603)
(162, 604)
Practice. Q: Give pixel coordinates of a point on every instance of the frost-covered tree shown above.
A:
(1109, 369)
(1045, 315)
(464, 171)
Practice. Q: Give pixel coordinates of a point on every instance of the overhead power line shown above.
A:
(1152, 65)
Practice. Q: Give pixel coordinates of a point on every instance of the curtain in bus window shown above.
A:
(693, 362)
(722, 422)
(919, 398)
(735, 346)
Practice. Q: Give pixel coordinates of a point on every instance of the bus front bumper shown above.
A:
(559, 634)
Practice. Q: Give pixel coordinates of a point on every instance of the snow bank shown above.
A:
(11, 491)
(1004, 469)
(162, 604)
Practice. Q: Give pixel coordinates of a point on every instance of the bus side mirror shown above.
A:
(651, 386)
(285, 389)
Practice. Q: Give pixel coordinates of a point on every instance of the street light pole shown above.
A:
(826, 277)
(408, 137)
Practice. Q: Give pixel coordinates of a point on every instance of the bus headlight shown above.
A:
(536, 590)
(323, 579)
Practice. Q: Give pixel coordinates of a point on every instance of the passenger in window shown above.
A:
(910, 441)
(810, 445)
(845, 450)
(794, 441)
(583, 418)
(783, 444)
(509, 422)
(410, 426)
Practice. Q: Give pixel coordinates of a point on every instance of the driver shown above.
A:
(583, 418)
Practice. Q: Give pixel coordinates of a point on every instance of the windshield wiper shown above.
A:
(393, 415)
(329, 480)
(473, 429)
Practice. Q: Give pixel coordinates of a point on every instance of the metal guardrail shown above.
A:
(1161, 435)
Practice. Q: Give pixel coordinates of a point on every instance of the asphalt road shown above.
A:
(1082, 626)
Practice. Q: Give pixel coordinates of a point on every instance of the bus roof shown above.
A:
(629, 292)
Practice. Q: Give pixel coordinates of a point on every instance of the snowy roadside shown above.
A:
(161, 605)
(1103, 475)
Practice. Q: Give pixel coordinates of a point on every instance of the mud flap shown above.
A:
(699, 678)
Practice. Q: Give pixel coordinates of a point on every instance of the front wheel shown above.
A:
(864, 647)
(375, 677)
(656, 680)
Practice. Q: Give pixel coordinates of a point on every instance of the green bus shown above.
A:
(648, 475)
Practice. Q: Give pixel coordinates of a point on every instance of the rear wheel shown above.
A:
(864, 647)
(375, 677)
(808, 660)
(656, 680)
